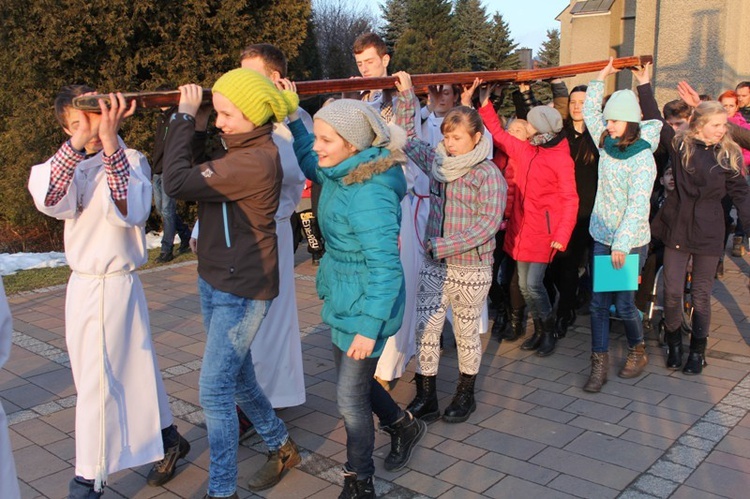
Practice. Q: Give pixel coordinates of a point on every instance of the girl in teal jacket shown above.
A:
(357, 159)
(619, 222)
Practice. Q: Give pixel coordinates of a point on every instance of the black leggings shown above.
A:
(506, 291)
(563, 271)
(703, 275)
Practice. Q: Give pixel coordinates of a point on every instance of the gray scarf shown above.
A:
(449, 168)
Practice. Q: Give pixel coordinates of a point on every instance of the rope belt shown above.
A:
(101, 466)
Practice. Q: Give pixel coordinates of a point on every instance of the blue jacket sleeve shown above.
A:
(306, 157)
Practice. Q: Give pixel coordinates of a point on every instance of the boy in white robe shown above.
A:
(102, 191)
(8, 481)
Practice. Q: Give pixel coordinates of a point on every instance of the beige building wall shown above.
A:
(695, 40)
(593, 37)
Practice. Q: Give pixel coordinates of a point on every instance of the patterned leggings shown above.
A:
(465, 290)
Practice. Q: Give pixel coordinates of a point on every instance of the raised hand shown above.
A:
(404, 81)
(642, 73)
(485, 92)
(84, 130)
(288, 85)
(467, 93)
(111, 120)
(191, 96)
(688, 94)
(609, 69)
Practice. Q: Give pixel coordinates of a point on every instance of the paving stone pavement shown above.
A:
(535, 432)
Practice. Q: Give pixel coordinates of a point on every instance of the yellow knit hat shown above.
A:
(256, 96)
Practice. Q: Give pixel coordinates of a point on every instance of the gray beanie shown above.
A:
(545, 119)
(357, 122)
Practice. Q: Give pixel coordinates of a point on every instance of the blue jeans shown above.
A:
(531, 282)
(166, 207)
(227, 376)
(358, 396)
(624, 302)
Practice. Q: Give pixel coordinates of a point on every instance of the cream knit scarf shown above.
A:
(449, 168)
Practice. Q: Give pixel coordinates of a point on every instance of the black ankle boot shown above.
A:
(696, 359)
(536, 339)
(517, 325)
(564, 321)
(501, 321)
(549, 338)
(425, 403)
(357, 489)
(674, 349)
(463, 403)
(405, 433)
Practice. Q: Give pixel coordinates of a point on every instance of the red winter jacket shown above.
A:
(545, 204)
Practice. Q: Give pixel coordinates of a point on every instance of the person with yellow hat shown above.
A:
(238, 195)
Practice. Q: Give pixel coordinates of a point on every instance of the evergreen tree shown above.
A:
(307, 64)
(428, 44)
(549, 55)
(113, 45)
(394, 12)
(475, 34)
(337, 25)
(502, 46)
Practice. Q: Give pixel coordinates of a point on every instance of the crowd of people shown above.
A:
(425, 211)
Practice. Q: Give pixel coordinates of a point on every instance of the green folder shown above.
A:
(607, 278)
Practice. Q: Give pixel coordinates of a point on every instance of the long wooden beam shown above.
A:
(424, 80)
(316, 87)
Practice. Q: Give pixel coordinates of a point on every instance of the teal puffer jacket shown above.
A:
(360, 278)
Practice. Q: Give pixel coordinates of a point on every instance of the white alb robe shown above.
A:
(277, 348)
(8, 480)
(401, 347)
(107, 327)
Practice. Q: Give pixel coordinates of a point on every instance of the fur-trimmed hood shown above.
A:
(366, 171)
(376, 164)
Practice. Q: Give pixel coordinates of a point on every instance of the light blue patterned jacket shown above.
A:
(621, 208)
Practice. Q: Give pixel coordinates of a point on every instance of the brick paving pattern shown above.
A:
(535, 432)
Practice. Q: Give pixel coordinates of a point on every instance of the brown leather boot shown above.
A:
(636, 361)
(286, 457)
(599, 368)
(738, 246)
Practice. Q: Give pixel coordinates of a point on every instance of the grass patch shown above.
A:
(28, 280)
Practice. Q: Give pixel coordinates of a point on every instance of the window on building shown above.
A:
(591, 7)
